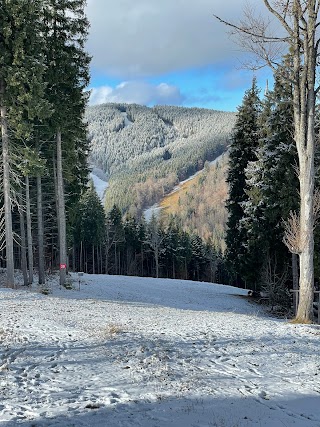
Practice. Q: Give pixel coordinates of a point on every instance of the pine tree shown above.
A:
(155, 239)
(115, 237)
(89, 232)
(21, 92)
(244, 141)
(272, 189)
(67, 74)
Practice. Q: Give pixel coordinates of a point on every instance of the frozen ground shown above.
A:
(144, 352)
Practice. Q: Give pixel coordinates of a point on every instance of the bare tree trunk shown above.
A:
(29, 231)
(61, 213)
(142, 261)
(6, 189)
(23, 245)
(40, 232)
(107, 260)
(156, 258)
(305, 307)
(304, 119)
(93, 261)
(81, 256)
(295, 282)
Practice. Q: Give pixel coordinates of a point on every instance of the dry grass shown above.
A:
(297, 321)
(110, 331)
(171, 201)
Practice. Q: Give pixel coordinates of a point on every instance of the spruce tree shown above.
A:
(244, 141)
(68, 75)
(21, 92)
(272, 179)
(90, 231)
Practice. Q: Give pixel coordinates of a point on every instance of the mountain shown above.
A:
(146, 151)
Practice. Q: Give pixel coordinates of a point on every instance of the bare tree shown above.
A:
(298, 19)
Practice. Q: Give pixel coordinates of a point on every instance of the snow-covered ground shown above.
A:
(152, 211)
(153, 353)
(100, 183)
(127, 122)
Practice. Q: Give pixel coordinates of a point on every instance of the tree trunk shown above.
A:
(304, 120)
(295, 282)
(107, 260)
(23, 247)
(6, 189)
(29, 231)
(40, 232)
(93, 261)
(156, 258)
(61, 213)
(305, 309)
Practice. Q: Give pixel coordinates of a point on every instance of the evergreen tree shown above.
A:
(115, 237)
(21, 92)
(272, 181)
(155, 238)
(67, 74)
(244, 141)
(90, 228)
(132, 244)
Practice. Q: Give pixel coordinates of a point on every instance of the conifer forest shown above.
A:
(51, 217)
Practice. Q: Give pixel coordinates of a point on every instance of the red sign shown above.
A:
(63, 266)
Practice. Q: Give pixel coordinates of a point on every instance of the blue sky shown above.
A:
(167, 52)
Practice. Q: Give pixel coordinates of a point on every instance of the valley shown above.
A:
(145, 152)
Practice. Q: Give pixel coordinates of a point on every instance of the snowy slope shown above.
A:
(153, 353)
(100, 183)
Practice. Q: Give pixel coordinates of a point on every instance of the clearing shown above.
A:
(128, 351)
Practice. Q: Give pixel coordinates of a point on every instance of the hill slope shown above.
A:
(146, 151)
(199, 203)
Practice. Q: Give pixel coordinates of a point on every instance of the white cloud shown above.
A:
(138, 92)
(134, 39)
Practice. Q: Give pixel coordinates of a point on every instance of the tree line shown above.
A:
(264, 193)
(115, 244)
(43, 76)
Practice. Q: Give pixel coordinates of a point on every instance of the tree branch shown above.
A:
(279, 17)
(263, 37)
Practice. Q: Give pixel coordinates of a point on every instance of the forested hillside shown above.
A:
(146, 151)
(200, 203)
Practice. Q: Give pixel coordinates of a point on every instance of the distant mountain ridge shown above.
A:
(145, 151)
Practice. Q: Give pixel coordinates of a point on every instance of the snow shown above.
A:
(153, 210)
(127, 122)
(100, 182)
(129, 351)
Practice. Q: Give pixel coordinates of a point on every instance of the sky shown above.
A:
(171, 52)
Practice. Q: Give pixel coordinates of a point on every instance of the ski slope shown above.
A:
(145, 352)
